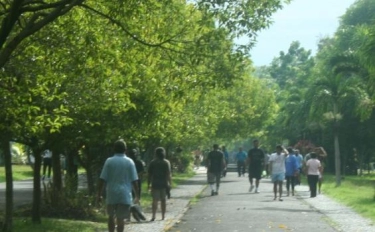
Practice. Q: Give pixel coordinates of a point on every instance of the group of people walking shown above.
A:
(121, 176)
(283, 164)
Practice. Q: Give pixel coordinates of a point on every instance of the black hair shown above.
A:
(216, 146)
(160, 153)
(120, 146)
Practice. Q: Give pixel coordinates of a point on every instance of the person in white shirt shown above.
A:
(313, 170)
(277, 170)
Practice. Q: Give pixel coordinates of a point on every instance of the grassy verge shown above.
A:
(356, 192)
(20, 172)
(23, 172)
(22, 224)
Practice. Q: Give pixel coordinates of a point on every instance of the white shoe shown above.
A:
(251, 188)
(257, 191)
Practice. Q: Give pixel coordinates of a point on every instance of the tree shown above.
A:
(331, 92)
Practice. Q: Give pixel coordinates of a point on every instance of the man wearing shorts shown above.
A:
(255, 162)
(159, 181)
(277, 166)
(119, 175)
(215, 166)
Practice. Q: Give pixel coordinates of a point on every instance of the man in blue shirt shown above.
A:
(299, 158)
(241, 158)
(291, 170)
(119, 175)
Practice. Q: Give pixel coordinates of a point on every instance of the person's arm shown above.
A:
(208, 162)
(270, 160)
(321, 169)
(135, 189)
(223, 162)
(296, 166)
(149, 176)
(285, 151)
(169, 175)
(322, 152)
(248, 159)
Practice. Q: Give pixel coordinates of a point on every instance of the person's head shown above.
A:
(290, 150)
(296, 151)
(120, 146)
(160, 153)
(215, 146)
(240, 148)
(256, 143)
(279, 148)
(313, 155)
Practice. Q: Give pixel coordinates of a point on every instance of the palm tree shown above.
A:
(329, 95)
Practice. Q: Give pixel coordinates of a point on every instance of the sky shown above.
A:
(302, 20)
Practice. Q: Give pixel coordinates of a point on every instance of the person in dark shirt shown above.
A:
(140, 170)
(215, 165)
(255, 162)
(159, 180)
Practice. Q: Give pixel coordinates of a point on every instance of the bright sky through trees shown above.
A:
(302, 20)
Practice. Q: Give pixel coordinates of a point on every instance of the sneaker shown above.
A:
(257, 191)
(251, 188)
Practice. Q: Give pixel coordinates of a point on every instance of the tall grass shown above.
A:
(357, 192)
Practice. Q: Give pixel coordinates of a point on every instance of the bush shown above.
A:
(180, 162)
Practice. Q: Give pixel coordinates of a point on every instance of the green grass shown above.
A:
(356, 192)
(57, 225)
(20, 172)
(23, 172)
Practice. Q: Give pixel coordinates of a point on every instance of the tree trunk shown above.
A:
(37, 192)
(337, 160)
(57, 180)
(71, 180)
(8, 220)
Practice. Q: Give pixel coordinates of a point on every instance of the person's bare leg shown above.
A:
(280, 189)
(111, 224)
(163, 208)
(275, 189)
(120, 224)
(256, 183)
(154, 208)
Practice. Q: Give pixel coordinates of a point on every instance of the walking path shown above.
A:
(191, 208)
(235, 209)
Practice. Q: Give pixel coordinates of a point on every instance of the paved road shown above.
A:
(237, 210)
(23, 191)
